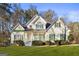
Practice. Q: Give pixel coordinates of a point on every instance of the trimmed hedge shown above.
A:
(4, 42)
(39, 43)
(49, 43)
(61, 42)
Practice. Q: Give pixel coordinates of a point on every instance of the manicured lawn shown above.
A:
(41, 51)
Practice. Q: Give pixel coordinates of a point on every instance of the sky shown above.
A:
(69, 10)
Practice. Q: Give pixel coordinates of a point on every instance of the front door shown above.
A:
(38, 37)
(41, 37)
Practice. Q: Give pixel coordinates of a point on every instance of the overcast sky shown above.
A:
(70, 10)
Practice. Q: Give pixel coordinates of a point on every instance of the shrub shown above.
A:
(61, 42)
(66, 42)
(4, 42)
(37, 42)
(71, 37)
(7, 43)
(19, 42)
(49, 43)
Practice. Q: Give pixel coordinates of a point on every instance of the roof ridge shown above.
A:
(51, 25)
(31, 19)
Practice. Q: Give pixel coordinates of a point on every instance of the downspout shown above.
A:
(65, 33)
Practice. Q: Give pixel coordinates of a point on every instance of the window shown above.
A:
(57, 36)
(58, 24)
(18, 37)
(36, 37)
(15, 37)
(62, 36)
(39, 25)
(51, 36)
(41, 37)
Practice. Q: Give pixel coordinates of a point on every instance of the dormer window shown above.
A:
(58, 24)
(39, 25)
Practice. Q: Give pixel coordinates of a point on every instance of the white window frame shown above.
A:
(18, 37)
(39, 25)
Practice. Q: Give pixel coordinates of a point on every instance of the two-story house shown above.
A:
(38, 29)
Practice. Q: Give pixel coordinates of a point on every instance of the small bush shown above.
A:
(19, 42)
(71, 37)
(4, 42)
(38, 43)
(66, 43)
(7, 43)
(61, 42)
(49, 43)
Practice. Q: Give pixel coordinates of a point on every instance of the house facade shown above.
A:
(39, 29)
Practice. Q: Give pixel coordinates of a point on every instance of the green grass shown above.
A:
(41, 51)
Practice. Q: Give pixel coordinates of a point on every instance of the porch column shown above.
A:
(12, 38)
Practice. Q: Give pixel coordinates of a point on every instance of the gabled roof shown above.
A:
(48, 25)
(17, 26)
(54, 23)
(51, 25)
(33, 19)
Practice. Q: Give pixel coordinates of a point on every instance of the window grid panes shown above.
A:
(58, 24)
(51, 36)
(18, 37)
(39, 37)
(39, 26)
(62, 36)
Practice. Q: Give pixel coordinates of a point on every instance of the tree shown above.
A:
(74, 27)
(5, 7)
(18, 15)
(49, 15)
(4, 15)
(30, 12)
